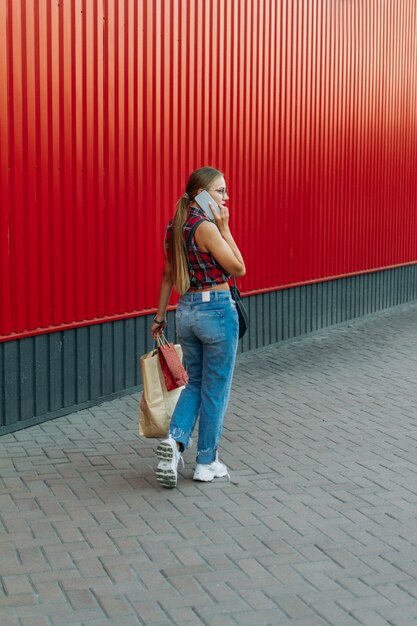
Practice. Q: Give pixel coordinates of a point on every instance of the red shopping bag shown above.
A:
(172, 369)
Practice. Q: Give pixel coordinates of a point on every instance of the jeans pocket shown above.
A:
(210, 326)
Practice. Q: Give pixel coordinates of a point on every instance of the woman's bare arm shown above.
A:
(165, 290)
(217, 239)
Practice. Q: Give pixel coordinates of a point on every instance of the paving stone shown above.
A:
(81, 599)
(17, 600)
(398, 616)
(16, 585)
(34, 621)
(113, 605)
(8, 617)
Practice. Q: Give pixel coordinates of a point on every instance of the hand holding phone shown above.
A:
(203, 199)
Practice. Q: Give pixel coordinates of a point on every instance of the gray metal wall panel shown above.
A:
(285, 318)
(94, 347)
(27, 378)
(82, 358)
(48, 375)
(119, 350)
(11, 385)
(129, 356)
(42, 375)
(55, 349)
(69, 382)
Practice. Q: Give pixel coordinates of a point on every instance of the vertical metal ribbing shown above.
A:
(308, 107)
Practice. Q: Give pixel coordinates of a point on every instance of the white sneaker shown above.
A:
(206, 473)
(169, 456)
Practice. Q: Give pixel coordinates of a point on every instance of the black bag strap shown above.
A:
(192, 231)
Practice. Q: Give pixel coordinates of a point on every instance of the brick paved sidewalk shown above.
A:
(321, 529)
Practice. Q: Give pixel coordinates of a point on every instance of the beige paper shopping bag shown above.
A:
(157, 404)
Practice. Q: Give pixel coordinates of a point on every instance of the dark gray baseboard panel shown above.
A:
(50, 375)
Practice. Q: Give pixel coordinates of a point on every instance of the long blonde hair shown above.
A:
(199, 179)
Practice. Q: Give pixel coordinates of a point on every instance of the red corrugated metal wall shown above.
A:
(308, 106)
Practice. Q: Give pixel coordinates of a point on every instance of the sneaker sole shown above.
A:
(165, 476)
(209, 480)
(164, 452)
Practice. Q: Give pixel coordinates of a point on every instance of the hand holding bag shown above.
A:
(172, 368)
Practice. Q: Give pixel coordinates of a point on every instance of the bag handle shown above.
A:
(192, 231)
(161, 340)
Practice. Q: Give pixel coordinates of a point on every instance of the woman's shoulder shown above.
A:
(195, 214)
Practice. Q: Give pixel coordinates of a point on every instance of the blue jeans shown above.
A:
(208, 334)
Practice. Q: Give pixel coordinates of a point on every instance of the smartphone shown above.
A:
(203, 200)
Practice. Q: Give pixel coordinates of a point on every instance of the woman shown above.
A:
(207, 324)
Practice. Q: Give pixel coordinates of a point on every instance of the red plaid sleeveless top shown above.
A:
(204, 270)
